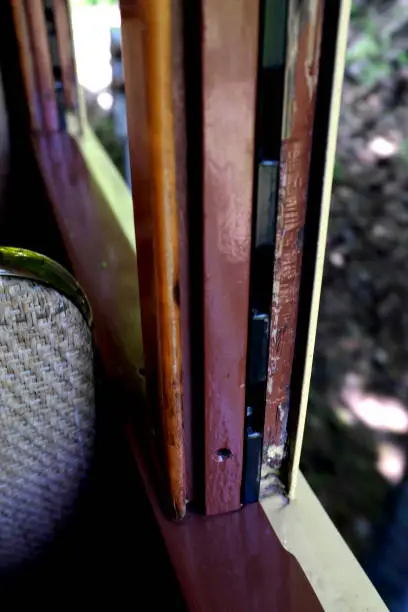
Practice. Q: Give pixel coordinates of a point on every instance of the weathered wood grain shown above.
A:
(304, 29)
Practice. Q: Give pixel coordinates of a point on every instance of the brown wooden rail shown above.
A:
(230, 49)
(304, 30)
(27, 64)
(66, 53)
(44, 84)
(147, 29)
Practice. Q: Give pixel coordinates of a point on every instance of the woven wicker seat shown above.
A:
(47, 403)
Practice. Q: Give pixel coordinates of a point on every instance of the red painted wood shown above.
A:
(301, 74)
(232, 561)
(230, 49)
(180, 144)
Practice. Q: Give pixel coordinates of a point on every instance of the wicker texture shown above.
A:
(47, 415)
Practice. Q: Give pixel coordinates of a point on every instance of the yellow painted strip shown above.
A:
(115, 191)
(305, 530)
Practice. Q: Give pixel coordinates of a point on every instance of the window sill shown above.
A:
(305, 530)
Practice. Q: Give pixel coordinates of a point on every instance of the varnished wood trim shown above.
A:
(44, 78)
(147, 55)
(304, 30)
(27, 64)
(66, 52)
(230, 50)
(180, 143)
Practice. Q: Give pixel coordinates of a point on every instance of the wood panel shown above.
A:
(27, 64)
(230, 50)
(66, 53)
(41, 57)
(304, 29)
(147, 28)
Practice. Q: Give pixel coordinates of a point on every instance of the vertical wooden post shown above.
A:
(148, 66)
(66, 53)
(27, 64)
(230, 52)
(44, 78)
(304, 30)
(333, 66)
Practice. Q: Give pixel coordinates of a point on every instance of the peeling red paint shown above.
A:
(301, 73)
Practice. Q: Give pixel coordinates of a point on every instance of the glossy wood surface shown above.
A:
(184, 291)
(147, 54)
(304, 29)
(43, 74)
(27, 64)
(230, 49)
(232, 561)
(66, 52)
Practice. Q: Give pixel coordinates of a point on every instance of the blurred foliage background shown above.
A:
(356, 439)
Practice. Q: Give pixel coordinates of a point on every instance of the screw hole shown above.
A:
(141, 372)
(223, 454)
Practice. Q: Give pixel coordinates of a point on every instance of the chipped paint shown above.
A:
(276, 452)
(270, 481)
(303, 34)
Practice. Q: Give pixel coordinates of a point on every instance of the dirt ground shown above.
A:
(357, 430)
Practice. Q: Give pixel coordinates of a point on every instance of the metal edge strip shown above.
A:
(23, 263)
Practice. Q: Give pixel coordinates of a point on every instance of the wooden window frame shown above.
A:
(94, 212)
